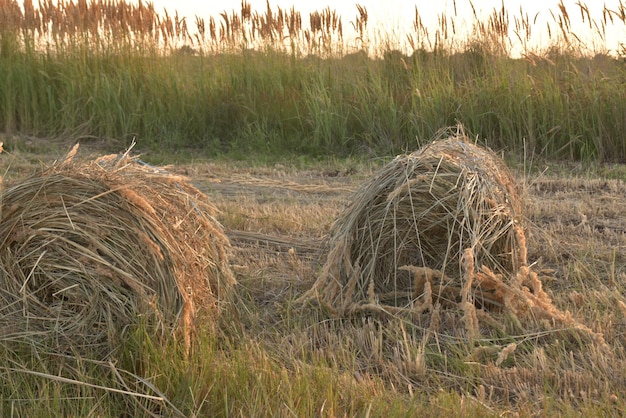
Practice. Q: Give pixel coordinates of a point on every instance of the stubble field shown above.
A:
(273, 356)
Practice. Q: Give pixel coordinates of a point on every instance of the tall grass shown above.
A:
(264, 82)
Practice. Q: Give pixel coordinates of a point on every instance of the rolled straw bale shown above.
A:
(90, 248)
(417, 216)
(441, 226)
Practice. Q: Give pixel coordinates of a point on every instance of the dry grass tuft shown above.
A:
(89, 249)
(443, 226)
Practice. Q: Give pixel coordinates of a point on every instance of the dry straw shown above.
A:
(442, 226)
(88, 249)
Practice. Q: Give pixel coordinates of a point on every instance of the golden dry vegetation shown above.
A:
(278, 218)
(108, 72)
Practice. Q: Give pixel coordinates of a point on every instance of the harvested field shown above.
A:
(576, 243)
(278, 218)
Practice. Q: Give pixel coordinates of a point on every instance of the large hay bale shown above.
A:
(439, 228)
(88, 249)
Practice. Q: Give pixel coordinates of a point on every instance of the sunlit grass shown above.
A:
(122, 71)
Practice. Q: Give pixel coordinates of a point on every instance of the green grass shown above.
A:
(271, 103)
(358, 369)
(224, 376)
(234, 101)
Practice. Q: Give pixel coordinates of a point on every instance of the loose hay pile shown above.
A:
(90, 248)
(439, 229)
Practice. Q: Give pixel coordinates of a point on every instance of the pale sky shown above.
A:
(397, 16)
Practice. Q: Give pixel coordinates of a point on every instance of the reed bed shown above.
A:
(91, 249)
(105, 24)
(438, 233)
(112, 22)
(276, 81)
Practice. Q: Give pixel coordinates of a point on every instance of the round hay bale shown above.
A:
(441, 228)
(422, 211)
(88, 249)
